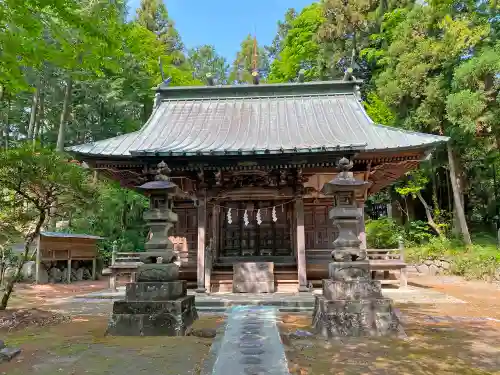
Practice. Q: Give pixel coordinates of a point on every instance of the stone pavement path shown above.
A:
(251, 344)
(482, 299)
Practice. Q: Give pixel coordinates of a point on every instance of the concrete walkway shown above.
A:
(250, 344)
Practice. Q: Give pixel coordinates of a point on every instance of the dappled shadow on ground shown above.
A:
(29, 295)
(14, 319)
(80, 347)
(430, 349)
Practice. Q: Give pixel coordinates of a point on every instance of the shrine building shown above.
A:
(252, 160)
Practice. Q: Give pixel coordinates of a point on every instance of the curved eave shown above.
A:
(340, 148)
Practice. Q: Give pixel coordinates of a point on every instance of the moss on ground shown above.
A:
(430, 349)
(81, 348)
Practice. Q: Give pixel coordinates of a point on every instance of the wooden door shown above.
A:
(254, 239)
(319, 229)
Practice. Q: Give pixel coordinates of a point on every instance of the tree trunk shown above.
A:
(34, 107)
(39, 119)
(64, 115)
(428, 214)
(459, 208)
(6, 133)
(9, 287)
(2, 266)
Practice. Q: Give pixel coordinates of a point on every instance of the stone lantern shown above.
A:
(160, 217)
(346, 217)
(352, 303)
(156, 304)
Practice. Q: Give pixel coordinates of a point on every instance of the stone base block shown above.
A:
(155, 291)
(253, 271)
(341, 318)
(253, 287)
(351, 290)
(148, 257)
(346, 271)
(167, 318)
(157, 272)
(177, 306)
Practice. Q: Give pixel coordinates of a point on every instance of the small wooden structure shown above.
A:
(57, 246)
(388, 260)
(123, 263)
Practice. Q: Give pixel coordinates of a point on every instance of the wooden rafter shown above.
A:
(385, 174)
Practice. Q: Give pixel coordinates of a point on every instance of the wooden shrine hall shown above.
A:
(253, 160)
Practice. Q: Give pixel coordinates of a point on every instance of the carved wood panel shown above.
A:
(319, 230)
(268, 238)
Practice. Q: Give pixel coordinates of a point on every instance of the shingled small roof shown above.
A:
(258, 119)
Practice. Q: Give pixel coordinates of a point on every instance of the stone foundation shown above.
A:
(153, 309)
(354, 308)
(140, 318)
(155, 291)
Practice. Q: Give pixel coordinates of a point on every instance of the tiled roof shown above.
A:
(268, 121)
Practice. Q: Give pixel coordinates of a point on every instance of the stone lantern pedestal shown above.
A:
(156, 304)
(352, 303)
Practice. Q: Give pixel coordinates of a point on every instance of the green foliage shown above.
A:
(477, 262)
(383, 233)
(117, 216)
(69, 34)
(417, 232)
(378, 111)
(242, 66)
(43, 179)
(153, 15)
(414, 182)
(299, 48)
(205, 59)
(423, 52)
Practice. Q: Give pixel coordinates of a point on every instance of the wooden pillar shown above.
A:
(69, 271)
(200, 268)
(403, 273)
(301, 245)
(38, 260)
(213, 246)
(112, 281)
(94, 269)
(361, 225)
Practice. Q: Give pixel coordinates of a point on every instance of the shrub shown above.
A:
(417, 232)
(383, 233)
(480, 261)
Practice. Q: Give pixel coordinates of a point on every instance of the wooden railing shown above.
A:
(387, 260)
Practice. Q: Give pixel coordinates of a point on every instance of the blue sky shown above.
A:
(225, 23)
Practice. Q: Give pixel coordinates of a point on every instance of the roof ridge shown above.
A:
(271, 95)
